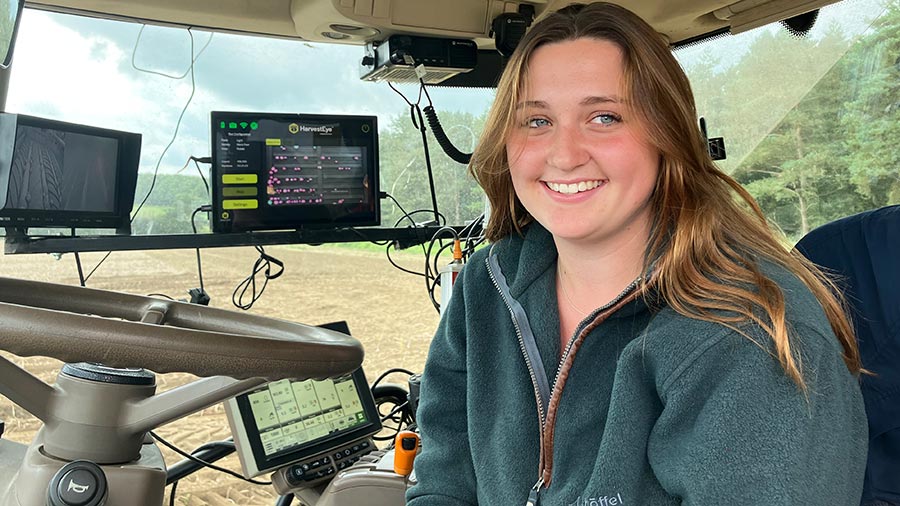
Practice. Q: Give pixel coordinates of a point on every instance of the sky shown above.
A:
(98, 72)
(85, 70)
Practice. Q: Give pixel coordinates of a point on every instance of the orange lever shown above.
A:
(406, 444)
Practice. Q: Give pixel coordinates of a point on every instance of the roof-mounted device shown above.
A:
(397, 58)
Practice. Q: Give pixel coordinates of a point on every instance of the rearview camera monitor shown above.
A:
(57, 174)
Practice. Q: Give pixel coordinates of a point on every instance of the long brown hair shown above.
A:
(709, 234)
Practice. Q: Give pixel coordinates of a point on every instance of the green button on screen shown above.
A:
(240, 204)
(240, 191)
(239, 178)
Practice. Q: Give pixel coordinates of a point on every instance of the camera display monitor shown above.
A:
(57, 174)
(288, 171)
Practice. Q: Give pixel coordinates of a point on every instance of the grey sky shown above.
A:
(84, 74)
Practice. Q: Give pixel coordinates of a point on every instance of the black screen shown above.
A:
(283, 171)
(62, 171)
(58, 174)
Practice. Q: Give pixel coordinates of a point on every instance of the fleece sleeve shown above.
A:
(444, 467)
(736, 430)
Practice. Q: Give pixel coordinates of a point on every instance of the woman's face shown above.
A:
(580, 162)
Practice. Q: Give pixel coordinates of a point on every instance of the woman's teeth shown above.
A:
(570, 189)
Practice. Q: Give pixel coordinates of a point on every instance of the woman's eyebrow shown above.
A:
(537, 104)
(601, 99)
(591, 100)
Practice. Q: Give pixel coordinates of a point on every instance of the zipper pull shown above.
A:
(534, 495)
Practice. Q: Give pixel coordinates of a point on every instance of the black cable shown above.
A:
(172, 493)
(86, 278)
(394, 411)
(432, 271)
(203, 177)
(442, 139)
(442, 221)
(428, 169)
(194, 228)
(263, 264)
(415, 113)
(80, 271)
(159, 295)
(204, 463)
(378, 243)
(405, 216)
(285, 500)
(391, 260)
(174, 134)
(434, 259)
(388, 372)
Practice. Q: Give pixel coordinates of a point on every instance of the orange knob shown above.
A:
(406, 444)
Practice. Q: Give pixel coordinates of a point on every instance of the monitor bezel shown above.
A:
(127, 163)
(293, 223)
(253, 458)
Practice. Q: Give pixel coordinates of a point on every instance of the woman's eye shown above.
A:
(606, 119)
(537, 122)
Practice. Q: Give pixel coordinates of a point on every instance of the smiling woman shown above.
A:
(677, 329)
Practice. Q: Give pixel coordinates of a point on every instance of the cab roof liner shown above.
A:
(360, 21)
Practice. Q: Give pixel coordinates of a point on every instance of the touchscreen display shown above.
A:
(288, 171)
(290, 414)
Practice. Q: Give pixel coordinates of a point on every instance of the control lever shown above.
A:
(406, 445)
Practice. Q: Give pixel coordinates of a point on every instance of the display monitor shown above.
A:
(290, 171)
(288, 421)
(57, 174)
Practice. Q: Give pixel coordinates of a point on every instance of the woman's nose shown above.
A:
(567, 150)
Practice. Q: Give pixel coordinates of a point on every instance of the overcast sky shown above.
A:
(83, 73)
(80, 70)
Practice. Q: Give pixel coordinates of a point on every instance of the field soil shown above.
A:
(386, 309)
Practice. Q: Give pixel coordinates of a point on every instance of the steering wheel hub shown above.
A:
(111, 375)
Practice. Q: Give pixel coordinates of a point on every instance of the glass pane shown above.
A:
(810, 123)
(8, 13)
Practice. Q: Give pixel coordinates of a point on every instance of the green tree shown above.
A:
(170, 205)
(873, 115)
(404, 175)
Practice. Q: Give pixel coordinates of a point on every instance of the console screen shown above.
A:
(291, 420)
(283, 171)
(289, 414)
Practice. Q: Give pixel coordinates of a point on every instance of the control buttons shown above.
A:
(313, 471)
(78, 483)
(240, 204)
(295, 475)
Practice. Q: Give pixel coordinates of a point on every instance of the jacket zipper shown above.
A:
(565, 356)
(515, 321)
(589, 318)
(534, 494)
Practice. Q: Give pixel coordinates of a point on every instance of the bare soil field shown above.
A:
(386, 309)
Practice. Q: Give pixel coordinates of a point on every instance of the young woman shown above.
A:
(635, 334)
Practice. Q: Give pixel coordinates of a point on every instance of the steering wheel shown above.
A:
(103, 416)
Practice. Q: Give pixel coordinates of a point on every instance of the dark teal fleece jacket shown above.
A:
(657, 409)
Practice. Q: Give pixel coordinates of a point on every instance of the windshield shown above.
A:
(810, 126)
(808, 122)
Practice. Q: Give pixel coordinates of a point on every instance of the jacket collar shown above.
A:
(526, 258)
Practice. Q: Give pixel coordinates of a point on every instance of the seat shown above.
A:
(864, 251)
